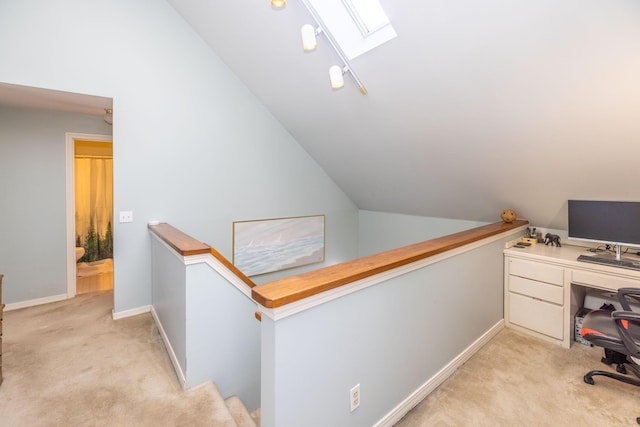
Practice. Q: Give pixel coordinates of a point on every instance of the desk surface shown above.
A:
(567, 256)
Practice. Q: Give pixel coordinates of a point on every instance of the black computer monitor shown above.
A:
(609, 222)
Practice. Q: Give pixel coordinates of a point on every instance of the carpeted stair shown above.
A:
(69, 363)
(241, 415)
(229, 412)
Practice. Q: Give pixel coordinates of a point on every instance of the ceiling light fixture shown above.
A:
(309, 34)
(108, 116)
(309, 43)
(278, 3)
(347, 67)
(336, 76)
(336, 48)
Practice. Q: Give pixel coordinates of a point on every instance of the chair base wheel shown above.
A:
(589, 380)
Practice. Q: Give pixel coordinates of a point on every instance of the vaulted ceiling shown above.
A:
(475, 107)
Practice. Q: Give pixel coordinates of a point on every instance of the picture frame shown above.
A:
(270, 245)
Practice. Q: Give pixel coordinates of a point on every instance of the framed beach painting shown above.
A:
(268, 245)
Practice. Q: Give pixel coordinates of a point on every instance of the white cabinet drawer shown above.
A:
(537, 271)
(536, 315)
(536, 289)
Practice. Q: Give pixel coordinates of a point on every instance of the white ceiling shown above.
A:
(475, 107)
(45, 99)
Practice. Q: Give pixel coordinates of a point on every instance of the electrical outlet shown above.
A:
(126, 216)
(354, 397)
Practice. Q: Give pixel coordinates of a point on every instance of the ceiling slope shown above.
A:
(17, 96)
(475, 107)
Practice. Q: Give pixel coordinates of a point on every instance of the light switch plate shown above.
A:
(126, 216)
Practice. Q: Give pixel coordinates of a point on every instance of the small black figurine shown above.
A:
(553, 239)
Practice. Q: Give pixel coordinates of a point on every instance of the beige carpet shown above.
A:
(516, 380)
(70, 364)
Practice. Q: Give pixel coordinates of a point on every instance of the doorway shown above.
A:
(89, 213)
(93, 182)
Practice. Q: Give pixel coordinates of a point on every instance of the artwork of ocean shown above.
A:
(272, 245)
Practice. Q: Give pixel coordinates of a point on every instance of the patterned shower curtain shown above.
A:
(94, 206)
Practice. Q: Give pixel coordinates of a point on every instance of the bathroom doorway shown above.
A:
(91, 218)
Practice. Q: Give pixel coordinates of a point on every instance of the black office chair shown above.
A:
(618, 332)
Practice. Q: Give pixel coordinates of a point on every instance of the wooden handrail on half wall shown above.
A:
(186, 245)
(295, 288)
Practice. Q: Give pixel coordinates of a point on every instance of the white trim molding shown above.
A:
(212, 262)
(34, 302)
(130, 313)
(441, 376)
(167, 345)
(221, 269)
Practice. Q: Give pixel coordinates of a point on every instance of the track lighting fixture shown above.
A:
(309, 43)
(336, 76)
(309, 34)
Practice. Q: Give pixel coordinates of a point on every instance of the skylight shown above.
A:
(367, 14)
(356, 25)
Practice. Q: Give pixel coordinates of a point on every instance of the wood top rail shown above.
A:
(285, 291)
(186, 245)
(290, 289)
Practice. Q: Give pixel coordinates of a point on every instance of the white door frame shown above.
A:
(70, 138)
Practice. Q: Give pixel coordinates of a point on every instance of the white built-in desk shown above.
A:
(544, 287)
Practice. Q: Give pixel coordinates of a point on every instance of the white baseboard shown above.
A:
(132, 312)
(167, 344)
(432, 383)
(34, 302)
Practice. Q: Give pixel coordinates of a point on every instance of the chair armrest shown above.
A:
(622, 319)
(626, 315)
(623, 292)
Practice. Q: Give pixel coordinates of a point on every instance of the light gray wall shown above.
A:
(392, 338)
(33, 199)
(169, 281)
(209, 323)
(381, 231)
(192, 145)
(223, 336)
